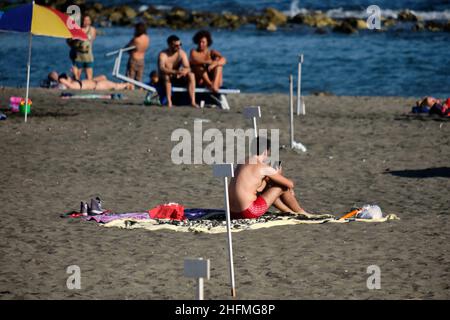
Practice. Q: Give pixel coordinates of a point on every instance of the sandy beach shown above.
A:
(360, 150)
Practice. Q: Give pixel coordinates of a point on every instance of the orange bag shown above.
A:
(350, 214)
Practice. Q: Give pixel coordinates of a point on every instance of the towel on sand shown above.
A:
(219, 225)
(105, 218)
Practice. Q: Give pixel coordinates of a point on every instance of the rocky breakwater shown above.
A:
(269, 19)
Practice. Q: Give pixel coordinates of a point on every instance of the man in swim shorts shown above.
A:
(256, 186)
(136, 62)
(174, 69)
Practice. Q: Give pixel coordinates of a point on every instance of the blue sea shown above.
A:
(394, 63)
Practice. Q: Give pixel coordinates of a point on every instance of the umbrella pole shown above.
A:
(28, 75)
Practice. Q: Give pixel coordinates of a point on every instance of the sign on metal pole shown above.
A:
(253, 113)
(300, 102)
(294, 145)
(291, 110)
(199, 269)
(224, 171)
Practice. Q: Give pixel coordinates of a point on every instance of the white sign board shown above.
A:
(223, 170)
(196, 268)
(252, 112)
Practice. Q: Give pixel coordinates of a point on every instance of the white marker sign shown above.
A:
(199, 269)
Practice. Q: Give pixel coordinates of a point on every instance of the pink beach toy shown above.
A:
(14, 103)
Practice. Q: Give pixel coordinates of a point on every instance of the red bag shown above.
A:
(172, 211)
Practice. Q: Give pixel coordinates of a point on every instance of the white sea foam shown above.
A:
(340, 13)
(163, 7)
(433, 15)
(389, 13)
(142, 8)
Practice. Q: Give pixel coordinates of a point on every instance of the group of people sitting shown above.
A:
(202, 68)
(432, 105)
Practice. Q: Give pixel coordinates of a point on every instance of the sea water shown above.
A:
(398, 62)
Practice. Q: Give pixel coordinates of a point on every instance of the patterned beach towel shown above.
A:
(219, 225)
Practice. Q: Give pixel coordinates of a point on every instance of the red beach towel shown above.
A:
(172, 211)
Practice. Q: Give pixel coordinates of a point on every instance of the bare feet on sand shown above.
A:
(192, 105)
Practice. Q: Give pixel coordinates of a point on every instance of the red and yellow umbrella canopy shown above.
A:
(41, 21)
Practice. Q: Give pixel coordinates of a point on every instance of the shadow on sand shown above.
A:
(53, 114)
(443, 172)
(421, 117)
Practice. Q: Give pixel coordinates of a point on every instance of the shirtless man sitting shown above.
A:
(256, 186)
(97, 83)
(174, 68)
(207, 63)
(136, 62)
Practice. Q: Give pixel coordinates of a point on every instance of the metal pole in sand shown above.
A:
(230, 243)
(199, 295)
(300, 103)
(291, 110)
(253, 112)
(28, 75)
(225, 171)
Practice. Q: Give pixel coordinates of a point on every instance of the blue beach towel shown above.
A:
(201, 213)
(423, 109)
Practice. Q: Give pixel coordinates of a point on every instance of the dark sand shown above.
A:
(360, 150)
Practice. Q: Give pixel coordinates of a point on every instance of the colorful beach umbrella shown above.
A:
(42, 21)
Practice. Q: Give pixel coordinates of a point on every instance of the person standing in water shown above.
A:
(84, 59)
(136, 62)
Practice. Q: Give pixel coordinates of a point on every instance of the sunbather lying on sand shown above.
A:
(256, 186)
(436, 106)
(97, 83)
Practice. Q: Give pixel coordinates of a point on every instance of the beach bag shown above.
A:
(172, 211)
(83, 46)
(370, 212)
(152, 99)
